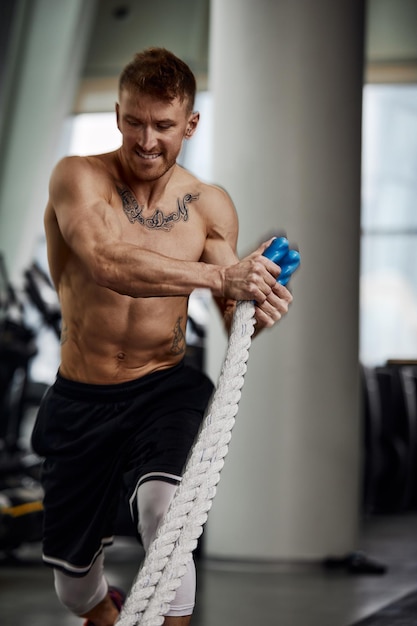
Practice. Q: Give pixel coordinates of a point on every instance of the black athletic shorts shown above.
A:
(97, 440)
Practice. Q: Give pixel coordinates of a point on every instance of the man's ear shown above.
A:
(192, 124)
(117, 108)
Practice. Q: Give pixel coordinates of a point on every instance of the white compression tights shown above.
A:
(153, 500)
(80, 595)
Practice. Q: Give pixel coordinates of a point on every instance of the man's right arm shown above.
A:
(80, 194)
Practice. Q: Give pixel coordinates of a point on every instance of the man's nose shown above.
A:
(147, 138)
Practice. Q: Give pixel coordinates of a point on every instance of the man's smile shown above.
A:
(147, 156)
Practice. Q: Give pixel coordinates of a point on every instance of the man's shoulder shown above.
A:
(216, 198)
(87, 162)
(207, 189)
(82, 168)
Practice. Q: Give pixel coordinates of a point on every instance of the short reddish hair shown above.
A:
(159, 73)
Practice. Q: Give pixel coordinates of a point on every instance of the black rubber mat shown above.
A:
(403, 612)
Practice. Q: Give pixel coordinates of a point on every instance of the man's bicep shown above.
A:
(84, 228)
(83, 215)
(222, 231)
(219, 251)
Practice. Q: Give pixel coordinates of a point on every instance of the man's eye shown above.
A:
(164, 126)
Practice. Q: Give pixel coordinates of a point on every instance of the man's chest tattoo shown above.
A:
(159, 220)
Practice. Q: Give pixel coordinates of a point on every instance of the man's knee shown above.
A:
(154, 498)
(81, 594)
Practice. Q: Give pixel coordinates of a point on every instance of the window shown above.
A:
(388, 313)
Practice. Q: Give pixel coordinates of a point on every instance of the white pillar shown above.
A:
(46, 64)
(286, 78)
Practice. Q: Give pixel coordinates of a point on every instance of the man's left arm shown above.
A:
(221, 249)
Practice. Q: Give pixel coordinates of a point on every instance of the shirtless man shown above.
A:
(130, 235)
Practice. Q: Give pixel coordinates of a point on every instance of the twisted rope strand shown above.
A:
(169, 554)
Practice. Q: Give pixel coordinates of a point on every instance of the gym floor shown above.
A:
(239, 594)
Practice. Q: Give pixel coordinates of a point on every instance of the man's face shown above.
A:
(153, 132)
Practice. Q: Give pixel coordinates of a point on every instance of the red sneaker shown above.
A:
(118, 597)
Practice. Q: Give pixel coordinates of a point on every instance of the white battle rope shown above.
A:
(166, 560)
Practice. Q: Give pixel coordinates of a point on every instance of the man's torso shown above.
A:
(108, 337)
